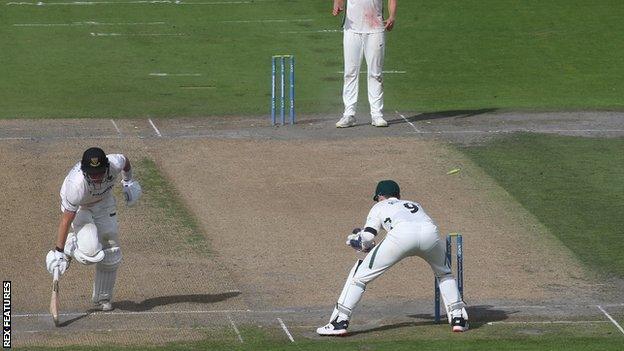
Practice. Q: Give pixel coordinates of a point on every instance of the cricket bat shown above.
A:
(54, 300)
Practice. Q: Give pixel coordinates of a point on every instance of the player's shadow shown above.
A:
(479, 316)
(150, 303)
(427, 116)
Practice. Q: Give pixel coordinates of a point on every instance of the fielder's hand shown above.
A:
(56, 259)
(132, 191)
(338, 7)
(389, 24)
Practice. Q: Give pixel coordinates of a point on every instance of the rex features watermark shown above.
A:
(6, 314)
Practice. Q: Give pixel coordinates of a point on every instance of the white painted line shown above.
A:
(116, 330)
(269, 21)
(384, 72)
(238, 334)
(406, 120)
(60, 137)
(137, 34)
(285, 329)
(129, 313)
(87, 23)
(545, 322)
(156, 74)
(154, 126)
(611, 319)
(16, 138)
(314, 31)
(149, 2)
(116, 128)
(524, 130)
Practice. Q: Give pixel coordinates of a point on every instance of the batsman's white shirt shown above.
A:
(77, 192)
(364, 16)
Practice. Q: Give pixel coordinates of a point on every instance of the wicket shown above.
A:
(460, 269)
(291, 64)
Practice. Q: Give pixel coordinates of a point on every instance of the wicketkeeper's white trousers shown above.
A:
(403, 241)
(370, 46)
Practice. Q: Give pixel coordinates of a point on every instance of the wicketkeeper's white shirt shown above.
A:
(391, 212)
(364, 16)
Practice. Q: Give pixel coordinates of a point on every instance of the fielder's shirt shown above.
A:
(364, 16)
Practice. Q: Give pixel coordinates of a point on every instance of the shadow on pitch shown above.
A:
(427, 116)
(479, 316)
(149, 304)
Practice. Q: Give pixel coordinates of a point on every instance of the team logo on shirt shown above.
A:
(95, 162)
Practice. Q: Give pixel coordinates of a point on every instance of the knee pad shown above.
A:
(84, 246)
(87, 240)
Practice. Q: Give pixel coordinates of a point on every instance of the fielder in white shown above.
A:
(364, 36)
(410, 232)
(89, 207)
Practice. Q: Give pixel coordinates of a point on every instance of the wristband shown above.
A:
(59, 249)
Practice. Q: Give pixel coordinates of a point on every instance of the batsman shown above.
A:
(89, 209)
(410, 232)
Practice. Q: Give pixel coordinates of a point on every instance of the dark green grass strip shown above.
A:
(451, 343)
(457, 54)
(160, 194)
(573, 185)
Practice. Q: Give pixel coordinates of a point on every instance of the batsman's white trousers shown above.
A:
(371, 46)
(104, 215)
(404, 240)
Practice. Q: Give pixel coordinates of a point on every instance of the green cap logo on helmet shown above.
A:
(387, 188)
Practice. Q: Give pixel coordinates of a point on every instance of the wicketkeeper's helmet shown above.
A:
(387, 188)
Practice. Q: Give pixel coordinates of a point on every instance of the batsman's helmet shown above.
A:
(387, 188)
(94, 161)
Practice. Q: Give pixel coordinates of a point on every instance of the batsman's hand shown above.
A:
(56, 259)
(132, 191)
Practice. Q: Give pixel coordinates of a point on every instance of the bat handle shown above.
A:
(55, 274)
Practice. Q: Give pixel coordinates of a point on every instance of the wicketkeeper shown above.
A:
(89, 207)
(410, 232)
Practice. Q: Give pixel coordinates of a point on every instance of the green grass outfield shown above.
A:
(598, 336)
(461, 54)
(573, 185)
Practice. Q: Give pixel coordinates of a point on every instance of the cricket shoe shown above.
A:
(459, 324)
(345, 122)
(104, 306)
(334, 328)
(379, 122)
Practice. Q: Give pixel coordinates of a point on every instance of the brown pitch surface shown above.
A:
(276, 214)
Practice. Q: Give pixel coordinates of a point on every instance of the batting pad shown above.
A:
(106, 274)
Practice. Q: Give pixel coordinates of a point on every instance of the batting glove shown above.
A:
(57, 259)
(132, 191)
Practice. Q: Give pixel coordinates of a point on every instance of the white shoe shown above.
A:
(345, 122)
(104, 306)
(379, 122)
(334, 328)
(459, 324)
